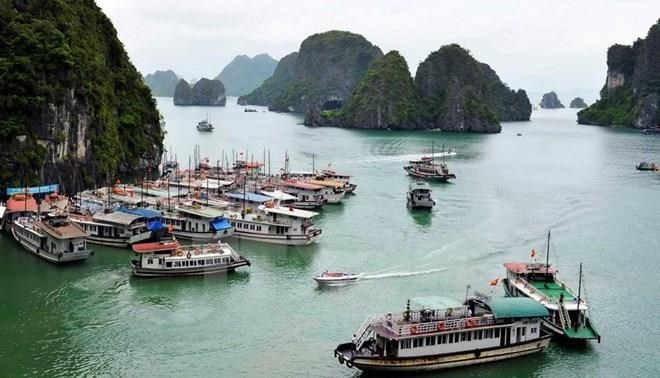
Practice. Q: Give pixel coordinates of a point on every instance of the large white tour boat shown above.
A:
(54, 238)
(440, 335)
(193, 221)
(114, 228)
(168, 258)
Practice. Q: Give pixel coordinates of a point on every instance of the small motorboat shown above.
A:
(646, 166)
(652, 130)
(334, 278)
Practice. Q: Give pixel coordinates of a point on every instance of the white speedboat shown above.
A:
(204, 125)
(334, 278)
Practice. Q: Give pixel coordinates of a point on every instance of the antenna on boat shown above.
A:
(313, 168)
(467, 289)
(547, 257)
(578, 298)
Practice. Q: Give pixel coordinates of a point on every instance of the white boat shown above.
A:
(438, 335)
(336, 278)
(168, 258)
(345, 178)
(114, 228)
(419, 196)
(201, 224)
(204, 125)
(333, 190)
(309, 196)
(54, 238)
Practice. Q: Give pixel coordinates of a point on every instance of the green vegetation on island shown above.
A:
(73, 109)
(631, 94)
(205, 92)
(550, 100)
(578, 103)
(243, 75)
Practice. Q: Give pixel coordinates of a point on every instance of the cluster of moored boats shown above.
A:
(205, 206)
(435, 333)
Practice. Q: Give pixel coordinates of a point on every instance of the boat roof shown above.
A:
(289, 211)
(250, 197)
(279, 195)
(67, 230)
(522, 268)
(302, 185)
(202, 211)
(147, 213)
(517, 307)
(420, 185)
(155, 246)
(27, 204)
(116, 217)
(2, 211)
(331, 172)
(327, 182)
(434, 302)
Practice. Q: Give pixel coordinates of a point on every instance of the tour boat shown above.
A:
(54, 238)
(439, 335)
(115, 228)
(19, 205)
(646, 166)
(53, 202)
(309, 196)
(569, 314)
(168, 258)
(652, 130)
(345, 178)
(204, 125)
(335, 278)
(426, 169)
(333, 191)
(193, 221)
(419, 196)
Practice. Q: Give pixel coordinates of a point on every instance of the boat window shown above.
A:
(463, 336)
(168, 264)
(193, 263)
(533, 330)
(177, 264)
(450, 338)
(200, 262)
(469, 336)
(209, 261)
(430, 340)
(442, 339)
(185, 263)
(150, 260)
(497, 332)
(418, 342)
(405, 344)
(524, 331)
(258, 228)
(479, 335)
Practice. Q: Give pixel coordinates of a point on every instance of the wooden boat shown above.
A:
(54, 238)
(569, 313)
(426, 169)
(438, 335)
(335, 278)
(419, 196)
(169, 258)
(19, 205)
(204, 125)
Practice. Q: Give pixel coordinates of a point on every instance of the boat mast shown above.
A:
(313, 168)
(547, 257)
(578, 298)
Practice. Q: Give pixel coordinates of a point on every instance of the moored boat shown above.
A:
(336, 278)
(114, 228)
(569, 313)
(438, 335)
(646, 166)
(204, 125)
(54, 238)
(419, 196)
(651, 130)
(169, 258)
(19, 205)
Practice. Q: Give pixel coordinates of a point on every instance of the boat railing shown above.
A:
(533, 291)
(361, 335)
(416, 325)
(564, 318)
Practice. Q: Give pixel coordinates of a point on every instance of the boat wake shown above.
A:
(400, 274)
(404, 157)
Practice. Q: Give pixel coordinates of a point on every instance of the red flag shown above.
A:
(533, 253)
(495, 281)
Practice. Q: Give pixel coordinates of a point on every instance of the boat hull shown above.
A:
(336, 281)
(446, 361)
(202, 237)
(59, 258)
(192, 271)
(426, 176)
(279, 239)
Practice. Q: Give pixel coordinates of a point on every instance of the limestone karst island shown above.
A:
(328, 189)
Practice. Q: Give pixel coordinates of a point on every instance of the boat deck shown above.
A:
(552, 290)
(583, 332)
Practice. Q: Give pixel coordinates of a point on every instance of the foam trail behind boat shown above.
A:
(399, 274)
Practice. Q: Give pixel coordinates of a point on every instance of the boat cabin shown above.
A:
(19, 205)
(309, 196)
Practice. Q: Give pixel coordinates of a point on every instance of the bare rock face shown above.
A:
(631, 94)
(551, 101)
(205, 92)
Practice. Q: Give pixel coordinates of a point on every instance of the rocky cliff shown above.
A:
(578, 103)
(631, 94)
(205, 92)
(73, 109)
(461, 94)
(162, 83)
(551, 101)
(384, 99)
(243, 75)
(322, 75)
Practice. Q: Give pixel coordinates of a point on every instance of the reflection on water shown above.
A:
(422, 216)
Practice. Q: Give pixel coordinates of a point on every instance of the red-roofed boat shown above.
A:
(19, 205)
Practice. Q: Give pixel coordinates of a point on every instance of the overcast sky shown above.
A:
(535, 45)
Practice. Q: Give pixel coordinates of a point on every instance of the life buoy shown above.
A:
(188, 255)
(470, 322)
(388, 317)
(441, 326)
(413, 329)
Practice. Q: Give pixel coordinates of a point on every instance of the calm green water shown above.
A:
(271, 320)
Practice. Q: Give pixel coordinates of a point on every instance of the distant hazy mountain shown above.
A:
(162, 83)
(243, 74)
